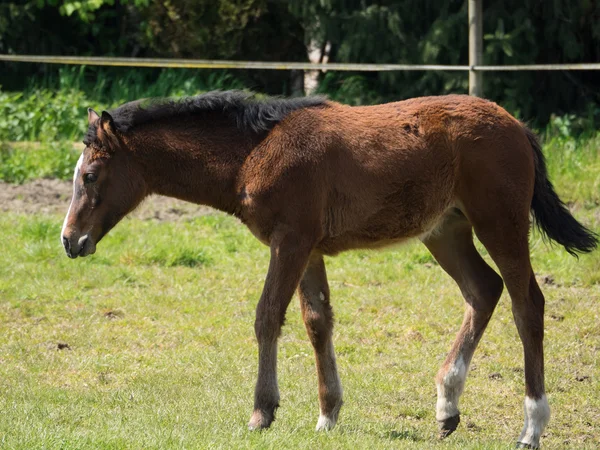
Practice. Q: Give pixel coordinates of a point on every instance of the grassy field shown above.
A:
(149, 344)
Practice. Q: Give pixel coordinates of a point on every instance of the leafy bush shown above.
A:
(570, 125)
(42, 115)
(25, 162)
(56, 109)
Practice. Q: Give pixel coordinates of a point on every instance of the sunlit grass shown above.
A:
(161, 350)
(574, 168)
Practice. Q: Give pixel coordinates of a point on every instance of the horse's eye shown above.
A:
(90, 178)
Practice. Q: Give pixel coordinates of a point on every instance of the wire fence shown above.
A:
(277, 65)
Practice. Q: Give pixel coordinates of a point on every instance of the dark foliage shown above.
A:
(381, 31)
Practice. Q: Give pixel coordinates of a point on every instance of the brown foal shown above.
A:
(311, 177)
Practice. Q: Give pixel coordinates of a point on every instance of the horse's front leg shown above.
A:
(318, 319)
(289, 256)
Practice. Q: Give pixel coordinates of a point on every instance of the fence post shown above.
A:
(475, 47)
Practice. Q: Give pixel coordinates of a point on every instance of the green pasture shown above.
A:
(149, 344)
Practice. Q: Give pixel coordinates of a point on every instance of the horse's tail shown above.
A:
(552, 217)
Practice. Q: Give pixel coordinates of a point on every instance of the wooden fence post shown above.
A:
(475, 47)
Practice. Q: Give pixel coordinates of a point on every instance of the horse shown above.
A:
(311, 177)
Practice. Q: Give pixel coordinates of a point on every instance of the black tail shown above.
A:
(552, 217)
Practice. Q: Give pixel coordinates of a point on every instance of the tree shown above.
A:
(367, 31)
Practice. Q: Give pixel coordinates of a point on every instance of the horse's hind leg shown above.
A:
(495, 188)
(506, 240)
(318, 319)
(452, 246)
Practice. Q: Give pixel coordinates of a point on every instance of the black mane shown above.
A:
(244, 108)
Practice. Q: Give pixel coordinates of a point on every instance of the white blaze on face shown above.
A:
(75, 175)
(449, 390)
(537, 416)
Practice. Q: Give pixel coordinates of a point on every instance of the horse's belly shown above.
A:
(399, 219)
(333, 246)
(379, 230)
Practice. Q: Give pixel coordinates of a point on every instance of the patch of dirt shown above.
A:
(473, 426)
(47, 196)
(547, 280)
(114, 314)
(414, 335)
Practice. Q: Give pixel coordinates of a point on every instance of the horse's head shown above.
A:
(107, 184)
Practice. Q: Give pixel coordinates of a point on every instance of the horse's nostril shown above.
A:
(66, 243)
(81, 243)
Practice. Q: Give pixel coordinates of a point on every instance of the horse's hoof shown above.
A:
(325, 423)
(448, 426)
(260, 420)
(524, 445)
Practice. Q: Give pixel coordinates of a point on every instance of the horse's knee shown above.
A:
(267, 327)
(318, 320)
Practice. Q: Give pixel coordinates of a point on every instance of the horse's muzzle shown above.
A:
(81, 246)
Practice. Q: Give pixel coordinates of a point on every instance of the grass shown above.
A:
(159, 352)
(574, 167)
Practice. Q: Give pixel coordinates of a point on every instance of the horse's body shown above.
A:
(367, 173)
(311, 177)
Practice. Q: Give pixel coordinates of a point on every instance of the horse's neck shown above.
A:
(199, 166)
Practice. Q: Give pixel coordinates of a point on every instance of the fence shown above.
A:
(475, 67)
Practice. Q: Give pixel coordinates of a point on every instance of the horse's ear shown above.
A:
(106, 131)
(107, 123)
(92, 116)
